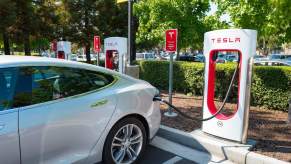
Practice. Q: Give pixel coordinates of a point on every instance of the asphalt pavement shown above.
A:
(154, 155)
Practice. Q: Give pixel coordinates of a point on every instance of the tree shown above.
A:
(24, 25)
(83, 17)
(271, 18)
(7, 15)
(213, 22)
(90, 17)
(281, 19)
(34, 20)
(156, 16)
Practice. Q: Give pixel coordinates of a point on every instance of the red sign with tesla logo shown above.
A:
(171, 40)
(97, 44)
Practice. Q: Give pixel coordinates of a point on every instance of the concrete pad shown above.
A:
(216, 147)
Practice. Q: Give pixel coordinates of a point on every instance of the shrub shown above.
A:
(271, 86)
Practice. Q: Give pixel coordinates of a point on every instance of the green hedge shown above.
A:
(271, 86)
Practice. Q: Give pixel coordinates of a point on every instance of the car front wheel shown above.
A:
(125, 143)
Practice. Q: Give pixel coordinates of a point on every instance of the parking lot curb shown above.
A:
(232, 151)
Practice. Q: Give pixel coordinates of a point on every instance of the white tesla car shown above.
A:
(58, 111)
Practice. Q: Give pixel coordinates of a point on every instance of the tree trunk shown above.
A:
(135, 28)
(87, 33)
(6, 43)
(87, 51)
(26, 44)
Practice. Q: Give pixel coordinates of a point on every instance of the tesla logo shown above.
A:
(171, 34)
(225, 40)
(219, 124)
(112, 44)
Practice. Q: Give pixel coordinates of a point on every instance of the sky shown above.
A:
(213, 9)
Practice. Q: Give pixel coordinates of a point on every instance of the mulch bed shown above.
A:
(267, 127)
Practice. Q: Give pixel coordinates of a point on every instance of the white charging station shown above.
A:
(119, 45)
(243, 41)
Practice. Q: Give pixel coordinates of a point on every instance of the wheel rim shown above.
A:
(127, 144)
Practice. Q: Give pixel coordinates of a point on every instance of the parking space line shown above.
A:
(173, 160)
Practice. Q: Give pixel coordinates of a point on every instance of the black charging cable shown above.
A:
(215, 114)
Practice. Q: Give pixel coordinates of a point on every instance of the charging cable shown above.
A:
(215, 114)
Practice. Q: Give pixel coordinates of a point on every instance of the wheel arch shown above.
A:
(140, 118)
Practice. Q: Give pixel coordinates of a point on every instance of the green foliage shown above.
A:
(156, 16)
(271, 18)
(86, 18)
(271, 86)
(213, 22)
(7, 14)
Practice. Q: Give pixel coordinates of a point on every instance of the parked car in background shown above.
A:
(260, 57)
(187, 57)
(60, 111)
(200, 58)
(277, 57)
(192, 58)
(145, 56)
(231, 58)
(44, 54)
(288, 58)
(167, 56)
(73, 57)
(272, 63)
(221, 58)
(81, 58)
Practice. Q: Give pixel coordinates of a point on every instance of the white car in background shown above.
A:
(59, 111)
(167, 56)
(145, 56)
(81, 58)
(272, 63)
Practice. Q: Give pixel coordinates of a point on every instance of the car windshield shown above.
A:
(276, 57)
(139, 55)
(149, 56)
(232, 57)
(221, 56)
(258, 56)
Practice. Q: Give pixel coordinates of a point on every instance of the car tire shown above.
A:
(123, 147)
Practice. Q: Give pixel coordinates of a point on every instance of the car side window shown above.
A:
(8, 78)
(98, 79)
(72, 82)
(43, 79)
(42, 84)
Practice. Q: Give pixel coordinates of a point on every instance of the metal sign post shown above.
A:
(97, 47)
(130, 41)
(98, 59)
(289, 113)
(171, 47)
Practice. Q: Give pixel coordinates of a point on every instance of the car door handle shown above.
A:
(99, 103)
(2, 126)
